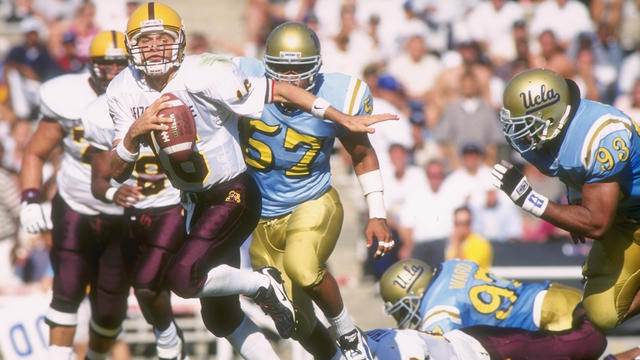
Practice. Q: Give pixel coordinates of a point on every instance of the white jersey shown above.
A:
(156, 188)
(217, 93)
(64, 99)
(403, 344)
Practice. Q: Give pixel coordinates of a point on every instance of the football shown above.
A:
(178, 141)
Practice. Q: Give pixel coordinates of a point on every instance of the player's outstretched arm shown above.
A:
(319, 107)
(592, 218)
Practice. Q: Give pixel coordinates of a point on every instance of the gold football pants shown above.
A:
(299, 244)
(612, 271)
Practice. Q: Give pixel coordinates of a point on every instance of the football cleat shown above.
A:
(354, 346)
(275, 302)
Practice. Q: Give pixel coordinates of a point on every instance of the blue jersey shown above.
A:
(463, 294)
(287, 152)
(600, 144)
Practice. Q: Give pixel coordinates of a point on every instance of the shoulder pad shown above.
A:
(66, 96)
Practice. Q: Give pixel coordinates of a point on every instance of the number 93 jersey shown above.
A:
(288, 153)
(463, 294)
(601, 144)
(217, 93)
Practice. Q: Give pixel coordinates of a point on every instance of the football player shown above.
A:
(594, 149)
(87, 233)
(155, 225)
(460, 293)
(223, 202)
(482, 342)
(288, 152)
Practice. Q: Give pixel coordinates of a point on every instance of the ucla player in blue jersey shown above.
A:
(287, 152)
(509, 318)
(459, 293)
(594, 149)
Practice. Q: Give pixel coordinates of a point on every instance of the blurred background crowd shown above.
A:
(441, 65)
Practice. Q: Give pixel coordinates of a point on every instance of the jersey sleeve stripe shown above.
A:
(594, 136)
(354, 96)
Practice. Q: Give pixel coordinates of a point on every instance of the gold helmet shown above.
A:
(537, 104)
(402, 287)
(107, 57)
(151, 18)
(292, 54)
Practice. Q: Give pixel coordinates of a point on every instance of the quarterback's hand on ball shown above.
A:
(149, 119)
(377, 228)
(509, 179)
(33, 218)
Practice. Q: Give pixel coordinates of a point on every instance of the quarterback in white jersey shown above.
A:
(86, 232)
(224, 202)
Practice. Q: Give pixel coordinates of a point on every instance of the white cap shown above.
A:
(32, 23)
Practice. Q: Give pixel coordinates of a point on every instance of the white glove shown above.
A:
(34, 218)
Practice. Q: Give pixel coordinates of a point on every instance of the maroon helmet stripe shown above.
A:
(114, 38)
(150, 8)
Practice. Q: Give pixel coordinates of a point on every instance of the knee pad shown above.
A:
(145, 295)
(110, 333)
(221, 315)
(108, 310)
(62, 313)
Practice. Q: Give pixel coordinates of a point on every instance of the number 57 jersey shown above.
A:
(288, 152)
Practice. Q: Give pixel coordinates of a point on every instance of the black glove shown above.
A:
(509, 179)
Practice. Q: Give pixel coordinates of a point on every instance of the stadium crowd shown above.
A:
(441, 65)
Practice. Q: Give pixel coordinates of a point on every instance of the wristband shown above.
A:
(375, 202)
(319, 107)
(30, 195)
(110, 193)
(535, 203)
(372, 189)
(125, 154)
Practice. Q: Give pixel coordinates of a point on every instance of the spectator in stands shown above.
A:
(26, 66)
(351, 49)
(497, 219)
(631, 69)
(83, 26)
(15, 144)
(425, 221)
(586, 76)
(468, 120)
(70, 62)
(490, 24)
(472, 180)
(552, 55)
(468, 57)
(465, 244)
(630, 102)
(596, 72)
(553, 15)
(415, 59)
(388, 97)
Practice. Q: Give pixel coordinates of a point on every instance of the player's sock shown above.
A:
(342, 323)
(94, 355)
(226, 280)
(250, 342)
(60, 352)
(167, 341)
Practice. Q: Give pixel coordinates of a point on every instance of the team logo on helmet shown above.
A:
(533, 103)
